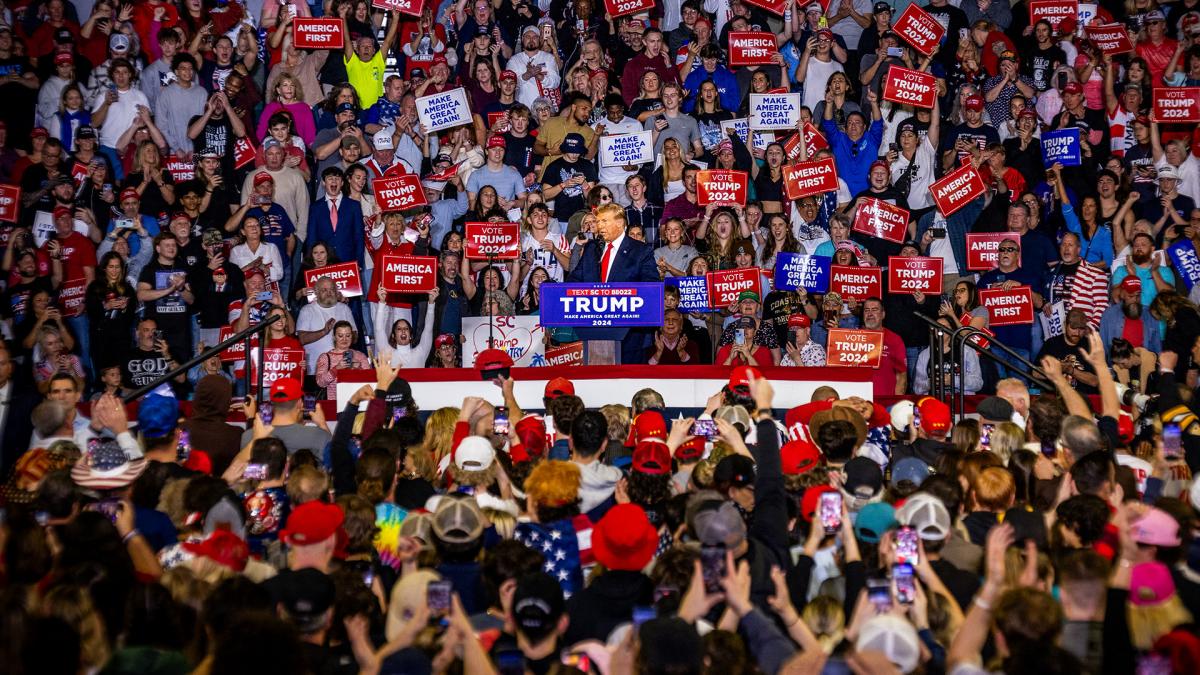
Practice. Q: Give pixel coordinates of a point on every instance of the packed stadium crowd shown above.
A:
(750, 186)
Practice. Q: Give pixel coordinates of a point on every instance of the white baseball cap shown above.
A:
(893, 636)
(382, 140)
(475, 453)
(927, 515)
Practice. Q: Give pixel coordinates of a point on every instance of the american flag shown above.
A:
(567, 547)
(1089, 292)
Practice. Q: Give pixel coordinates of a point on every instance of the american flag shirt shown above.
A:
(567, 547)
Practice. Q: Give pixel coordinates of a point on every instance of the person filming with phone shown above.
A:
(743, 351)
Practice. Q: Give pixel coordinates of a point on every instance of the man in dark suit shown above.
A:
(336, 220)
(615, 258)
(16, 410)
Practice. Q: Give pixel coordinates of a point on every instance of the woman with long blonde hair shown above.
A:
(288, 96)
(73, 605)
(439, 434)
(151, 180)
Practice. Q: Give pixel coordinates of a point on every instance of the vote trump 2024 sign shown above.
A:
(914, 274)
(862, 348)
(485, 241)
(721, 187)
(398, 193)
(587, 305)
(910, 87)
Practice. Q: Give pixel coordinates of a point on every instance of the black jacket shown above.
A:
(605, 604)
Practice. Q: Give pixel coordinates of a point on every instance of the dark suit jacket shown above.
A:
(18, 425)
(347, 242)
(635, 262)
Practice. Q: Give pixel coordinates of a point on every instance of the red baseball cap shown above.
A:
(799, 457)
(649, 424)
(624, 539)
(39, 132)
(808, 503)
(531, 429)
(973, 103)
(439, 58)
(935, 415)
(1073, 88)
(63, 57)
(130, 193)
(262, 177)
(286, 389)
(691, 450)
(495, 141)
(493, 359)
(508, 75)
(1131, 284)
(222, 547)
(445, 339)
(60, 211)
(652, 457)
(559, 386)
(799, 321)
(312, 523)
(740, 377)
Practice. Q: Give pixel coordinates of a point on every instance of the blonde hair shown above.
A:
(407, 595)
(185, 588)
(503, 521)
(1148, 623)
(618, 418)
(1006, 439)
(288, 77)
(826, 618)
(306, 484)
(613, 210)
(73, 605)
(439, 433)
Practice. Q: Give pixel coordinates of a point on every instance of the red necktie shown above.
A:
(604, 263)
(333, 214)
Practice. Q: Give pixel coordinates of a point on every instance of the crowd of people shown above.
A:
(174, 173)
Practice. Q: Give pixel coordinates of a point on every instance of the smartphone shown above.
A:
(398, 413)
(938, 232)
(1172, 447)
(664, 593)
(159, 335)
(437, 596)
(906, 585)
(739, 337)
(906, 546)
(254, 472)
(1153, 664)
(895, 52)
(267, 412)
(578, 660)
(263, 296)
(879, 593)
(369, 577)
(830, 315)
(830, 509)
(500, 421)
(184, 450)
(109, 507)
(985, 435)
(642, 614)
(792, 338)
(706, 428)
(310, 404)
(712, 567)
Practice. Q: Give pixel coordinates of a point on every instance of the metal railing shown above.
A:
(961, 338)
(246, 335)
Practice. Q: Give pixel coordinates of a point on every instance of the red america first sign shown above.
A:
(810, 178)
(398, 193)
(910, 87)
(751, 48)
(1176, 104)
(856, 283)
(777, 6)
(1007, 308)
(344, 275)
(881, 219)
(957, 188)
(919, 29)
(721, 187)
(617, 8)
(983, 249)
(1052, 11)
(323, 33)
(1111, 39)
(409, 273)
(492, 241)
(914, 275)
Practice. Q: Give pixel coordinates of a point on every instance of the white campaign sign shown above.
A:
(627, 149)
(444, 110)
(741, 126)
(775, 111)
(1053, 325)
(520, 336)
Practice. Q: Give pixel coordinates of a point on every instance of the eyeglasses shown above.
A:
(1009, 249)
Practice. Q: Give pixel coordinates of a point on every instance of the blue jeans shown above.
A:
(1006, 370)
(911, 354)
(114, 160)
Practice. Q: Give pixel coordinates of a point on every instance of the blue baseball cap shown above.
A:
(158, 416)
(873, 520)
(573, 143)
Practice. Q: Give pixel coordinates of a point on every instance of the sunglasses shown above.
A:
(1009, 249)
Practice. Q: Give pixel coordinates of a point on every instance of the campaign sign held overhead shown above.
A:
(445, 110)
(613, 305)
(796, 270)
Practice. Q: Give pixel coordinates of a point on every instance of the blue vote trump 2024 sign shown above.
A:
(616, 305)
(796, 270)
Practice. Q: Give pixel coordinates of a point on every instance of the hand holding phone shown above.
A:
(829, 509)
(907, 546)
(437, 597)
(500, 421)
(712, 567)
